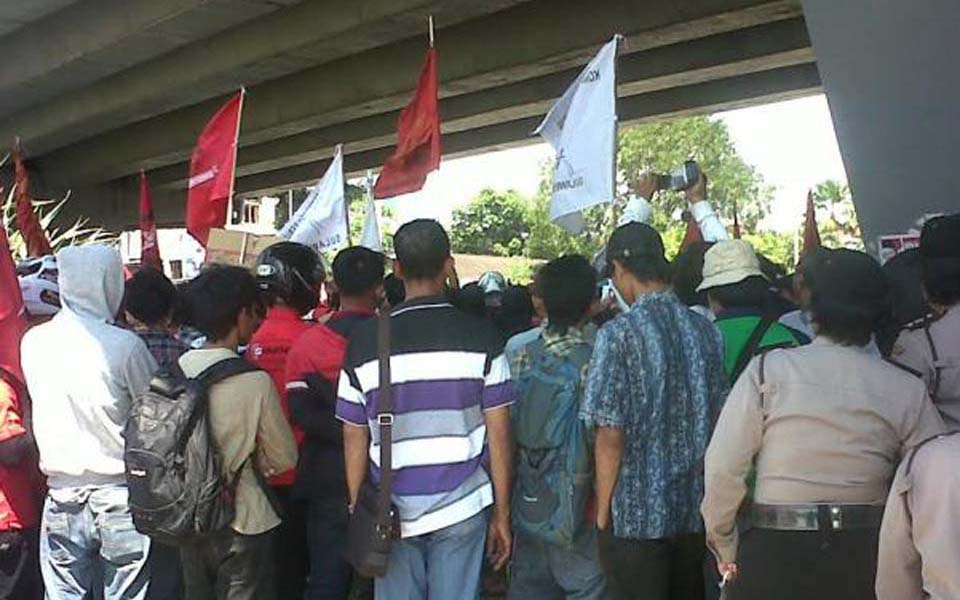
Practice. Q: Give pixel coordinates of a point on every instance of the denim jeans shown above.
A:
(543, 571)
(440, 565)
(330, 574)
(88, 545)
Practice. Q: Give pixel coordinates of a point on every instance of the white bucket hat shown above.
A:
(729, 262)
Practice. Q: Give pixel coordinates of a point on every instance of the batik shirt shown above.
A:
(657, 375)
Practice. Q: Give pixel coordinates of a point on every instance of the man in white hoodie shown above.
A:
(82, 372)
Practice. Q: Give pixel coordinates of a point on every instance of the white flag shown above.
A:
(371, 230)
(582, 128)
(321, 221)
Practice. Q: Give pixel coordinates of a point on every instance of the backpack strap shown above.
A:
(753, 342)
(224, 369)
(385, 423)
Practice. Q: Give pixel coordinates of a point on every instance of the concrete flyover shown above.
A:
(129, 83)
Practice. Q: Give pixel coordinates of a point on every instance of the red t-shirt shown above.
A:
(21, 486)
(268, 350)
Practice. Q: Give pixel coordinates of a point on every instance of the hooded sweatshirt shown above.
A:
(83, 371)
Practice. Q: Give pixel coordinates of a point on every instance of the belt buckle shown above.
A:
(385, 419)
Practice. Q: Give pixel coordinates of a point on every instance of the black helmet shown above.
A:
(290, 272)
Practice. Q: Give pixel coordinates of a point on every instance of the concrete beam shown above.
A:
(469, 62)
(303, 35)
(114, 205)
(710, 97)
(88, 41)
(765, 47)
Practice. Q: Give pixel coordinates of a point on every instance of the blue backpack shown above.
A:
(554, 460)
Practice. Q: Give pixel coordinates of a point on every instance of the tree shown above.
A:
(492, 223)
(664, 146)
(837, 216)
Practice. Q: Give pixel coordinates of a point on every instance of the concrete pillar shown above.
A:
(891, 70)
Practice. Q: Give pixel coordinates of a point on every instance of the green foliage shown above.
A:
(493, 223)
(778, 247)
(508, 225)
(664, 146)
(836, 216)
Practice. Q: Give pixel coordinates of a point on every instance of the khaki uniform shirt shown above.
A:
(830, 427)
(245, 417)
(913, 349)
(920, 537)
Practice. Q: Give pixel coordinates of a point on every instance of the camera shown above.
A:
(681, 179)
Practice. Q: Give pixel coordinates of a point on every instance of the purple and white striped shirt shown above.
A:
(447, 369)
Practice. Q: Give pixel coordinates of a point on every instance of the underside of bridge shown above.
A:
(100, 89)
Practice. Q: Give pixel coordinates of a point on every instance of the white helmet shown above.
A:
(38, 285)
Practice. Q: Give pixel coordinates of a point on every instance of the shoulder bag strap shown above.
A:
(385, 421)
(935, 391)
(753, 342)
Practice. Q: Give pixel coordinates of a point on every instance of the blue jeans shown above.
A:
(542, 571)
(441, 565)
(88, 546)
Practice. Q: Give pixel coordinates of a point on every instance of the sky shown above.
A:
(792, 144)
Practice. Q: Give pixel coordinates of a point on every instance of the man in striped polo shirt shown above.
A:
(451, 431)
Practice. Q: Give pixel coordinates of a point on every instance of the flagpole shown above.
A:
(236, 148)
(430, 26)
(616, 121)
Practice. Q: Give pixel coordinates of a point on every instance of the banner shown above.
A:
(149, 246)
(582, 128)
(321, 221)
(418, 138)
(34, 237)
(370, 237)
(13, 323)
(211, 171)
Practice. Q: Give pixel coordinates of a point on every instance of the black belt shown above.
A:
(816, 517)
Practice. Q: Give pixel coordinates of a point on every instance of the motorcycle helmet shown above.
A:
(38, 278)
(292, 273)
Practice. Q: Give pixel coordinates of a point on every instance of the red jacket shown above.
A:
(313, 369)
(268, 350)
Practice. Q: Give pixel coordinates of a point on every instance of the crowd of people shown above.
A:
(623, 427)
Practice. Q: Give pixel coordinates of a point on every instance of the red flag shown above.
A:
(737, 234)
(13, 322)
(692, 234)
(149, 247)
(418, 138)
(211, 171)
(30, 229)
(811, 234)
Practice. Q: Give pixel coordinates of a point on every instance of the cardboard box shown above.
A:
(230, 247)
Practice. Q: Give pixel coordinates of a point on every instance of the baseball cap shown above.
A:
(634, 241)
(729, 262)
(940, 237)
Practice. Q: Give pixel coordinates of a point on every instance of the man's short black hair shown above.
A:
(751, 293)
(215, 299)
(422, 248)
(639, 248)
(688, 273)
(150, 297)
(394, 290)
(569, 286)
(849, 294)
(941, 280)
(358, 270)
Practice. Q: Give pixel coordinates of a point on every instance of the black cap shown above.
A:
(941, 237)
(635, 241)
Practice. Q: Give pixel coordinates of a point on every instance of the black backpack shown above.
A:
(174, 470)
